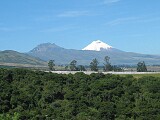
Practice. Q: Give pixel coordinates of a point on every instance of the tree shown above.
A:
(81, 68)
(117, 68)
(66, 67)
(51, 65)
(107, 64)
(141, 67)
(94, 65)
(16, 116)
(39, 95)
(73, 65)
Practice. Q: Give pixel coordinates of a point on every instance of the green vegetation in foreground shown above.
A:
(26, 94)
(15, 116)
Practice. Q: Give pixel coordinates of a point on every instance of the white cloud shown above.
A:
(74, 14)
(122, 20)
(59, 29)
(110, 1)
(131, 20)
(149, 19)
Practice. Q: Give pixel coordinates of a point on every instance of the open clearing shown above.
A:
(135, 74)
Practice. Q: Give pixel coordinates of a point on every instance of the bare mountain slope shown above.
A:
(13, 57)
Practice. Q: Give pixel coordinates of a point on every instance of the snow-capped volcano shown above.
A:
(97, 46)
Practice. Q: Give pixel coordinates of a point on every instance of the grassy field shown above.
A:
(144, 75)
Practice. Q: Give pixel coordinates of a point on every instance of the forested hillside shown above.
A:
(38, 95)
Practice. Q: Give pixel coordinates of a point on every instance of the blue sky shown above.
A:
(129, 25)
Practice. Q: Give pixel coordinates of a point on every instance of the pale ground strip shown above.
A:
(90, 72)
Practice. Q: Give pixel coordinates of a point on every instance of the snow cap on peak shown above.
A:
(98, 41)
(97, 45)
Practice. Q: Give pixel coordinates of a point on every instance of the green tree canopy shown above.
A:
(107, 64)
(37, 95)
(51, 65)
(141, 67)
(94, 65)
(73, 66)
(81, 68)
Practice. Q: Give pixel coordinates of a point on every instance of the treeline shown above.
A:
(36, 95)
(94, 66)
(141, 66)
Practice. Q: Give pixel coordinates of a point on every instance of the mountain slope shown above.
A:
(9, 56)
(65, 56)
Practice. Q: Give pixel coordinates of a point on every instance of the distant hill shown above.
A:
(48, 51)
(9, 57)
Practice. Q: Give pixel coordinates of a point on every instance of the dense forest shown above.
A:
(37, 95)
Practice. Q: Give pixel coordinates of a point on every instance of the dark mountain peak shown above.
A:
(48, 45)
(45, 47)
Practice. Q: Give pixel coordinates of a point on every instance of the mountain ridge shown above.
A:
(14, 57)
(45, 46)
(84, 57)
